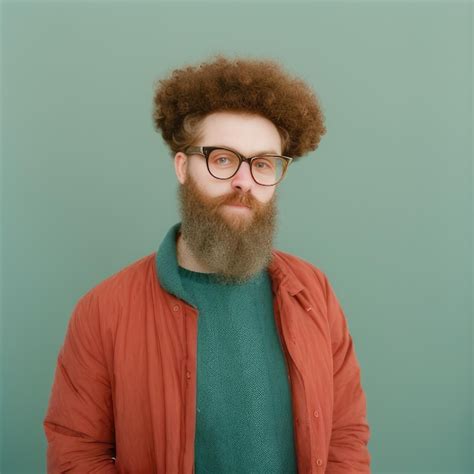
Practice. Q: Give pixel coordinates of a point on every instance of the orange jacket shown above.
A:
(124, 391)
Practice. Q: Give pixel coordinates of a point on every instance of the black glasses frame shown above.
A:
(206, 151)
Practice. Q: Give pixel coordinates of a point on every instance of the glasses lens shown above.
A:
(223, 163)
(268, 169)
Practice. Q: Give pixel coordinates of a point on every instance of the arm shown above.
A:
(348, 450)
(79, 420)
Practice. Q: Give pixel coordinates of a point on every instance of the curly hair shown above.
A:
(245, 85)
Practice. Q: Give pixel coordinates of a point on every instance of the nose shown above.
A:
(242, 180)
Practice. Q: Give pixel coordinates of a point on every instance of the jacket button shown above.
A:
(316, 413)
(176, 308)
(188, 374)
(319, 462)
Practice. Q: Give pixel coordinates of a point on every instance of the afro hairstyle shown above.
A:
(246, 85)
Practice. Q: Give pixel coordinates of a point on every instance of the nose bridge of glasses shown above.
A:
(244, 161)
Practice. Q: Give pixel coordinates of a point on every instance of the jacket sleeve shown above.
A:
(348, 449)
(79, 419)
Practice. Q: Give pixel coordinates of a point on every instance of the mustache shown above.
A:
(237, 198)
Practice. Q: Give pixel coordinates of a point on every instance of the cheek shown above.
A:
(210, 186)
(264, 195)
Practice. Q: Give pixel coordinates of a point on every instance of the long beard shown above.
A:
(233, 246)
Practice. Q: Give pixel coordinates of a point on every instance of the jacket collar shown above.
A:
(280, 271)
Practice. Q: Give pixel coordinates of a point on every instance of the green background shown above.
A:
(383, 206)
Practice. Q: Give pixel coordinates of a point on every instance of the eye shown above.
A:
(223, 159)
(264, 164)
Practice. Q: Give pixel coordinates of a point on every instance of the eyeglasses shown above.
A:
(266, 169)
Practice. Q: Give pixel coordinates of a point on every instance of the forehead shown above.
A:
(249, 134)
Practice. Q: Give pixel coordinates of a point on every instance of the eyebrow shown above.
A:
(271, 152)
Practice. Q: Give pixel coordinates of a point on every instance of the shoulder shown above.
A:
(302, 273)
(114, 292)
(305, 271)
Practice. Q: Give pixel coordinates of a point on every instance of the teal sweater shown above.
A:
(244, 421)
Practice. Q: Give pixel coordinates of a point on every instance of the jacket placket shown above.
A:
(285, 290)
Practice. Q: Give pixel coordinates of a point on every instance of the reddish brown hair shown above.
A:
(244, 85)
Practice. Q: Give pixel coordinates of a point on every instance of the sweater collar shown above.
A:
(167, 264)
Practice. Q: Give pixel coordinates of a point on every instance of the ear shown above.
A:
(180, 166)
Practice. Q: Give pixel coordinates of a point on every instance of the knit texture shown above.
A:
(244, 420)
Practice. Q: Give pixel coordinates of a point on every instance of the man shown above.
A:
(217, 353)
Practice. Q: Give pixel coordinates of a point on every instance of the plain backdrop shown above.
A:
(383, 206)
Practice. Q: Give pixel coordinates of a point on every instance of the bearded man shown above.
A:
(217, 353)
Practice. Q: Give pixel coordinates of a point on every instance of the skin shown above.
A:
(248, 134)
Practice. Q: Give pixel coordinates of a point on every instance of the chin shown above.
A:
(237, 212)
(237, 219)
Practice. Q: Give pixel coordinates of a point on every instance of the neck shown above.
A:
(185, 257)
